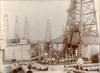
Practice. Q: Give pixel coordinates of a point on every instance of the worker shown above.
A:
(79, 63)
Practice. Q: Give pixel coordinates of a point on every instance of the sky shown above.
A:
(39, 12)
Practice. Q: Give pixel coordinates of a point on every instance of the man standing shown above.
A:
(79, 63)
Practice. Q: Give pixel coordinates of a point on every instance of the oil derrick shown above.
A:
(47, 44)
(4, 32)
(3, 38)
(81, 23)
(16, 32)
(26, 31)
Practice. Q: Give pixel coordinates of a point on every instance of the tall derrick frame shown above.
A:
(82, 23)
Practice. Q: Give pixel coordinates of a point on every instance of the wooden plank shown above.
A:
(79, 71)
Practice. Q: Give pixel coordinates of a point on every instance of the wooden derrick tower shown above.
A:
(26, 30)
(16, 32)
(81, 23)
(47, 44)
(4, 30)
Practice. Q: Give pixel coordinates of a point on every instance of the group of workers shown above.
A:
(58, 61)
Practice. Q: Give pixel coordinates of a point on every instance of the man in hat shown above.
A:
(79, 63)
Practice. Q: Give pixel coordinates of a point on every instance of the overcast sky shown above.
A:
(38, 13)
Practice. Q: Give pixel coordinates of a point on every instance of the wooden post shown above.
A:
(99, 54)
(89, 52)
(1, 56)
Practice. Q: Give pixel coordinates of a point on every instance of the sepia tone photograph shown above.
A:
(49, 36)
